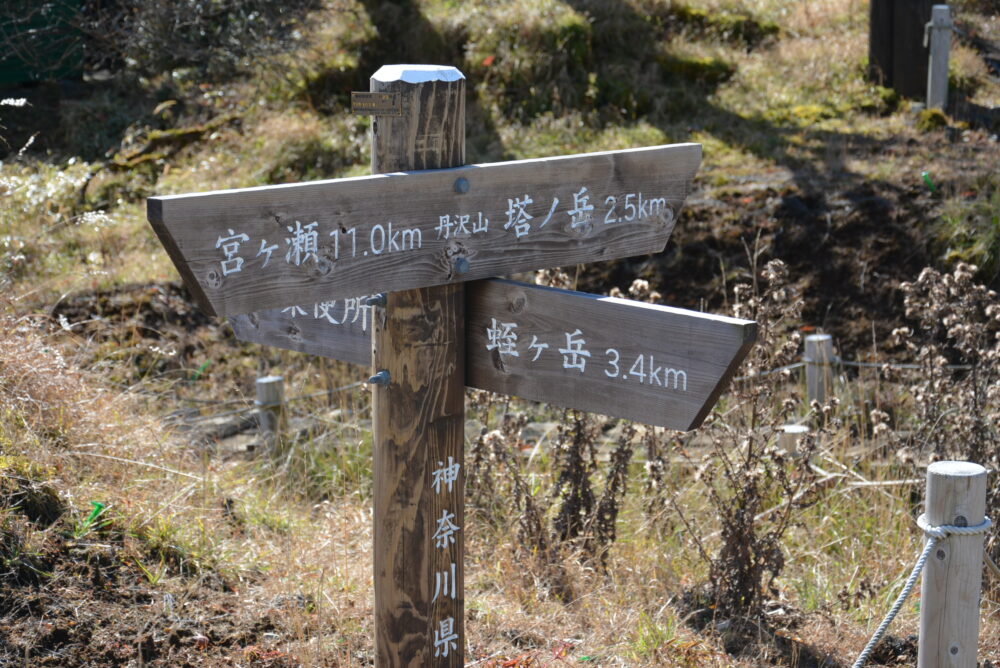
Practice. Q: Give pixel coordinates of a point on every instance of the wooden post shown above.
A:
(949, 600)
(270, 407)
(897, 57)
(819, 369)
(940, 43)
(880, 42)
(789, 436)
(419, 414)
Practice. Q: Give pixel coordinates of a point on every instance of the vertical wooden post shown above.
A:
(909, 55)
(897, 57)
(789, 436)
(819, 369)
(270, 407)
(419, 414)
(949, 599)
(880, 41)
(940, 42)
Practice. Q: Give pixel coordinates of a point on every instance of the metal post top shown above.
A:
(415, 74)
(270, 379)
(941, 16)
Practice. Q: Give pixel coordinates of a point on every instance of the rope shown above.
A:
(946, 530)
(835, 360)
(321, 393)
(761, 374)
(256, 406)
(934, 535)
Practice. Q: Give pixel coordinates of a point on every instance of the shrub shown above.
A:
(956, 392)
(212, 36)
(754, 488)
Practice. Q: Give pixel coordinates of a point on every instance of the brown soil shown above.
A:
(86, 603)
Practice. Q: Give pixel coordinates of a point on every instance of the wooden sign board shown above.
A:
(276, 246)
(654, 364)
(339, 328)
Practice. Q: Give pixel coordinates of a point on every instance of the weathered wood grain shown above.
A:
(654, 364)
(258, 248)
(419, 417)
(707, 348)
(340, 329)
(951, 590)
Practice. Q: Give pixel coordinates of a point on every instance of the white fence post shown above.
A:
(949, 599)
(939, 32)
(270, 406)
(819, 369)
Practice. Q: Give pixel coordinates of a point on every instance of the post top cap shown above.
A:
(417, 73)
(949, 468)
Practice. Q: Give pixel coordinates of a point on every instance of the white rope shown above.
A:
(946, 530)
(934, 535)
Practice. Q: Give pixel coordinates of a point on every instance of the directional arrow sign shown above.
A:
(276, 246)
(654, 364)
(340, 328)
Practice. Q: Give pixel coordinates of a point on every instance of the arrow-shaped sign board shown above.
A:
(274, 246)
(338, 328)
(654, 364)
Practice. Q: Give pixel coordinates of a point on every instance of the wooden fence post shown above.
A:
(939, 33)
(949, 600)
(819, 366)
(880, 42)
(789, 436)
(897, 57)
(270, 408)
(419, 413)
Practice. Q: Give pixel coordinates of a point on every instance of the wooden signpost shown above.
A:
(288, 263)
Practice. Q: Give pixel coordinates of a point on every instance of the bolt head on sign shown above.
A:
(278, 246)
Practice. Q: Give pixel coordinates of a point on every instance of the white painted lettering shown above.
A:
(445, 637)
(502, 338)
(371, 239)
(445, 476)
(518, 217)
(446, 530)
(446, 583)
(574, 355)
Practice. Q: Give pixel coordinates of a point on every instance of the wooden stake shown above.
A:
(270, 406)
(819, 372)
(419, 416)
(949, 600)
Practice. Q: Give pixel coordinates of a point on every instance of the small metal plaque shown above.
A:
(376, 104)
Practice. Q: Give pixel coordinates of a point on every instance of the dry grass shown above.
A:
(85, 413)
(306, 562)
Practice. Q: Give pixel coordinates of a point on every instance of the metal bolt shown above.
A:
(381, 378)
(462, 185)
(461, 265)
(377, 300)
(940, 554)
(953, 649)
